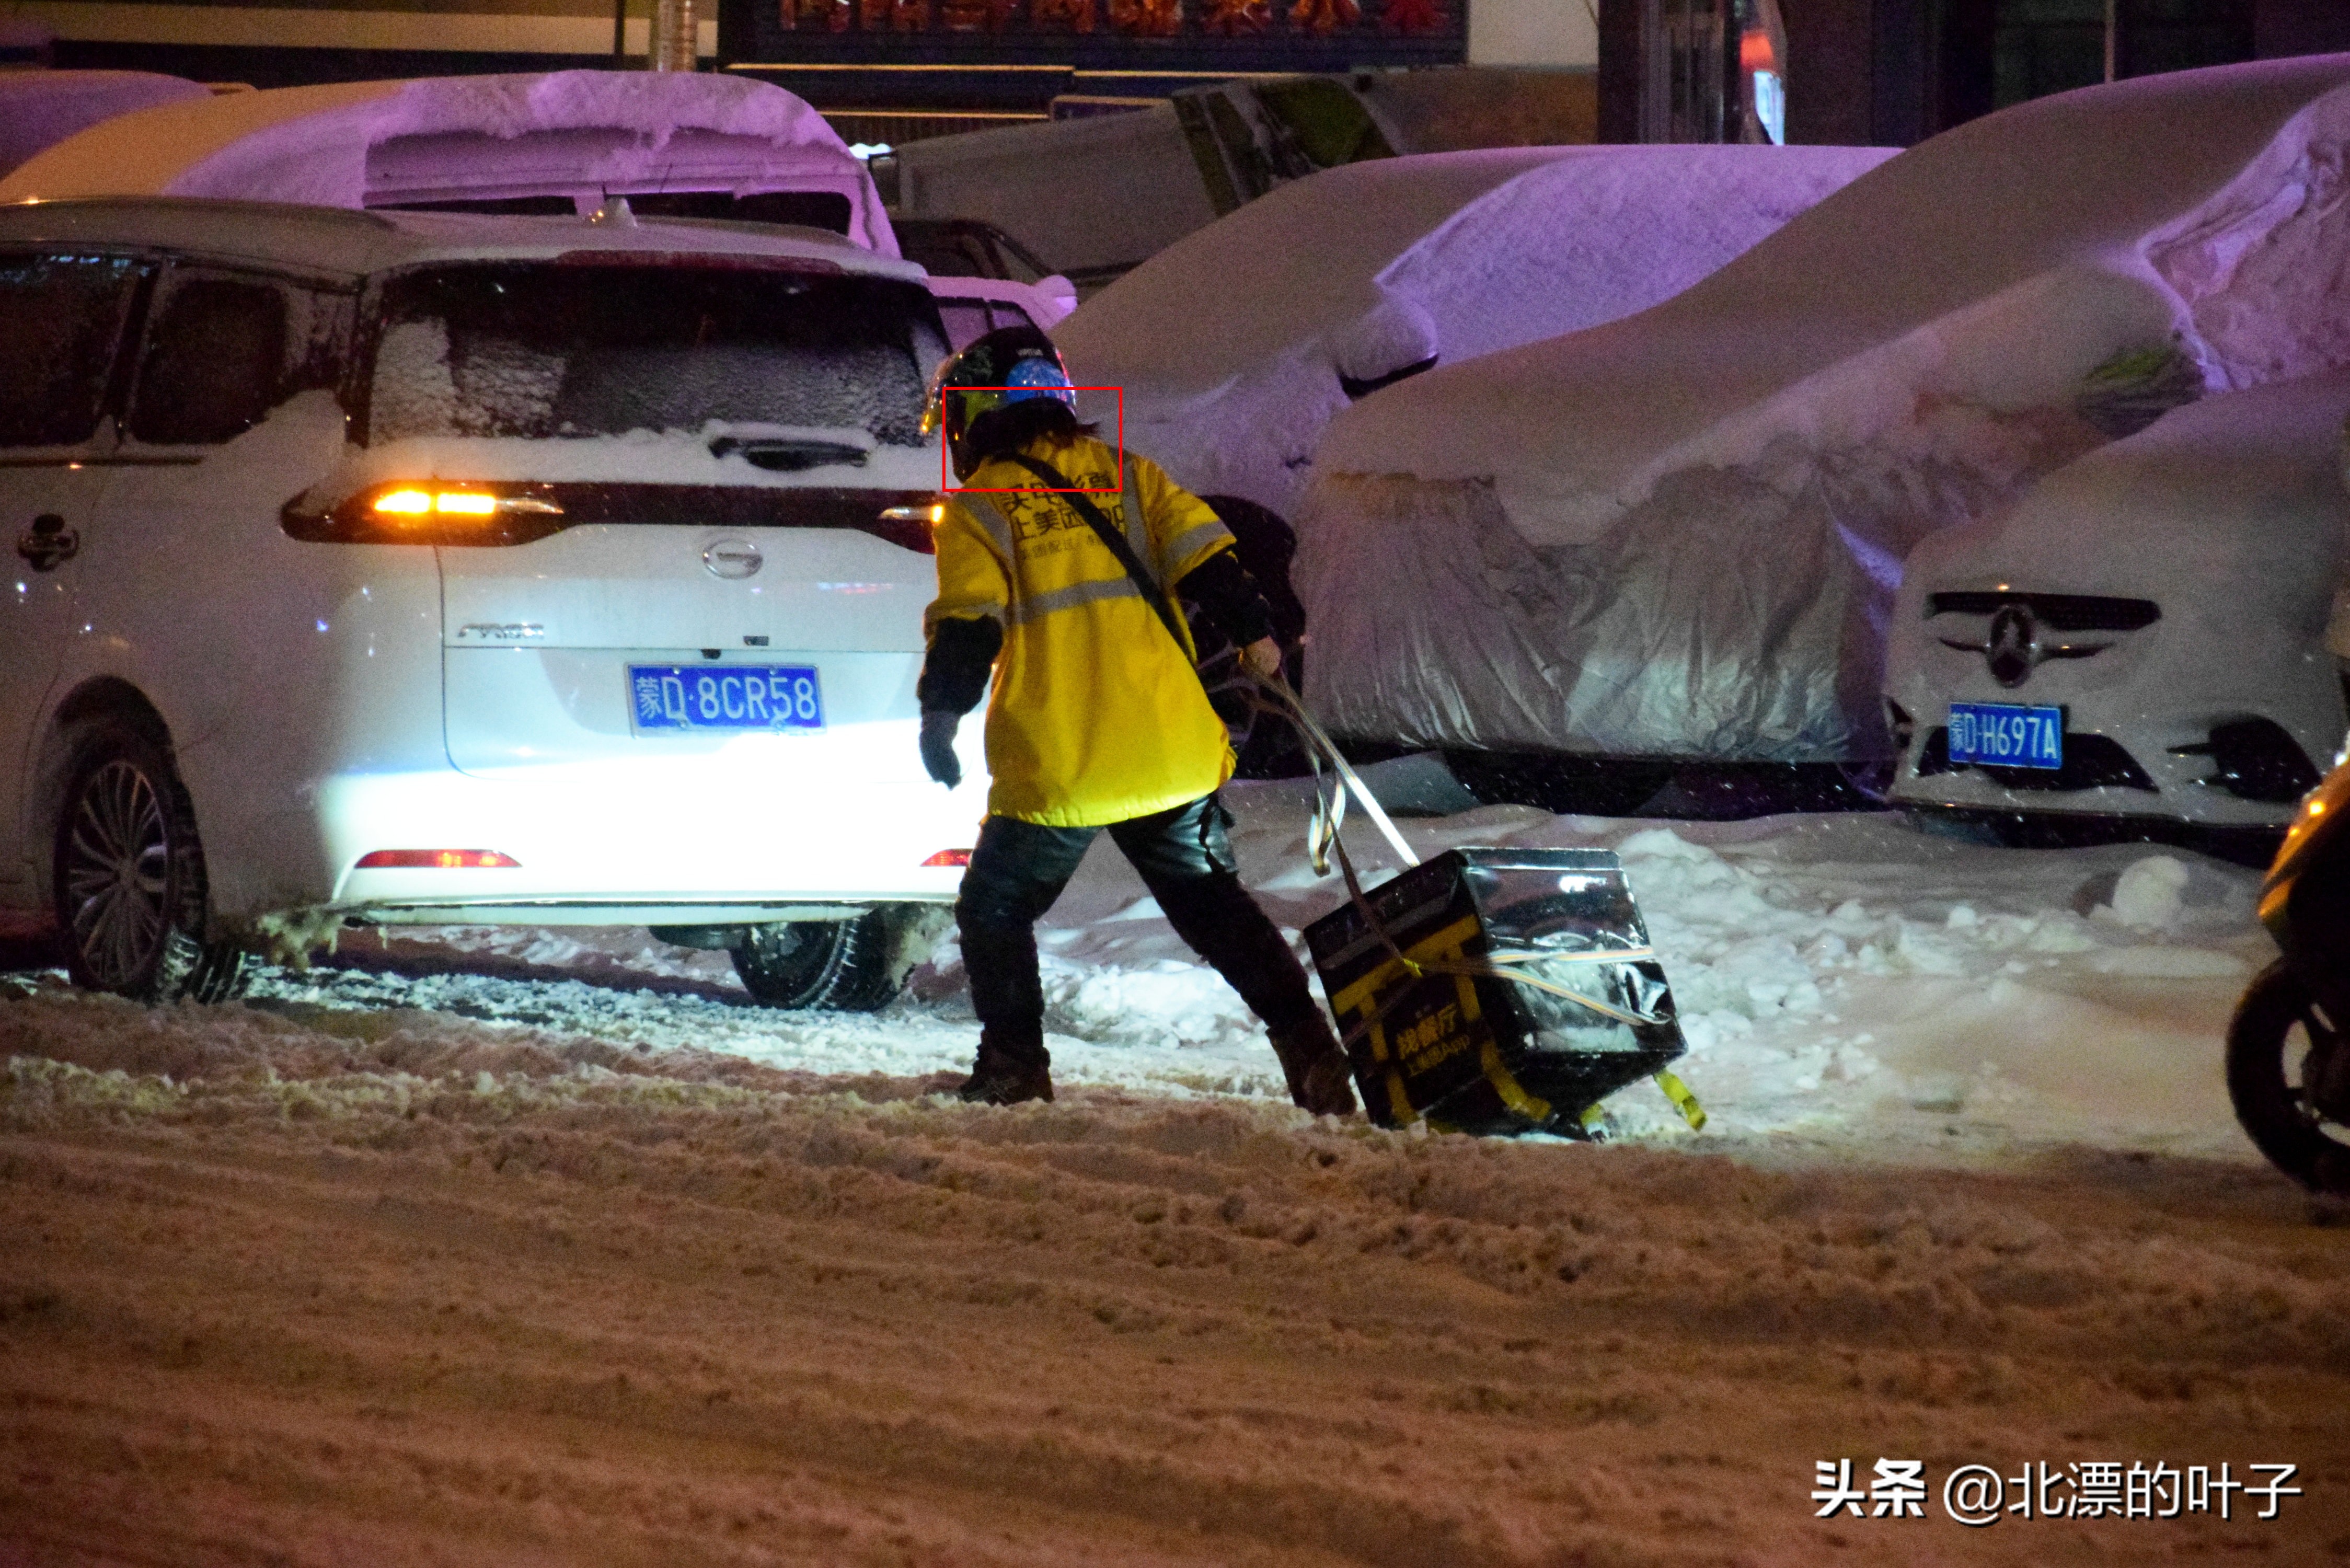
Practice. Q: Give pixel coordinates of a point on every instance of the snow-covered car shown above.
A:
(1679, 534)
(429, 568)
(1231, 368)
(2143, 634)
(673, 145)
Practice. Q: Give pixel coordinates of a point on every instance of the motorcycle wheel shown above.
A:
(2280, 1046)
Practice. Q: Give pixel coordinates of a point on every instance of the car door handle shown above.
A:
(49, 543)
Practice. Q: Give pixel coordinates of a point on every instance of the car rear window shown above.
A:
(553, 350)
(968, 320)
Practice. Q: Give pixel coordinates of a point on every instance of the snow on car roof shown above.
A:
(340, 239)
(1231, 354)
(2131, 176)
(347, 144)
(39, 108)
(1300, 258)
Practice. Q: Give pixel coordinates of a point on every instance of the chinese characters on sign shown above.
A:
(1129, 18)
(1979, 1495)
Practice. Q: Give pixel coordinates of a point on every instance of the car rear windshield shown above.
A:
(556, 350)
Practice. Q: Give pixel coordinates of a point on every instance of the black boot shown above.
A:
(1001, 959)
(1008, 1072)
(1319, 1078)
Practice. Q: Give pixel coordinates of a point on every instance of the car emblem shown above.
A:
(732, 559)
(2013, 647)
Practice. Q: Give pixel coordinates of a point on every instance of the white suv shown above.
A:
(430, 568)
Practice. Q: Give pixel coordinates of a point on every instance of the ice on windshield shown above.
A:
(550, 351)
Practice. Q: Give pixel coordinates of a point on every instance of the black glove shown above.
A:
(939, 758)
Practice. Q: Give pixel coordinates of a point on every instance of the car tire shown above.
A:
(838, 966)
(128, 887)
(2274, 1110)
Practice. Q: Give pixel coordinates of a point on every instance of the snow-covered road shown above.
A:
(546, 1247)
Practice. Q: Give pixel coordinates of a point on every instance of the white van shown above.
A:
(430, 568)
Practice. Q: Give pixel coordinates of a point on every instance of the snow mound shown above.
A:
(1844, 984)
(1679, 533)
(1231, 366)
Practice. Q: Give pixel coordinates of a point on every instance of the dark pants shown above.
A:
(1185, 859)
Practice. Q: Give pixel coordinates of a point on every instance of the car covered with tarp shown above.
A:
(1682, 534)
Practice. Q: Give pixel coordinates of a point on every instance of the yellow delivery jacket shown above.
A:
(1097, 715)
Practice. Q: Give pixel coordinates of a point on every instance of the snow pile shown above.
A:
(1838, 977)
(39, 108)
(1231, 365)
(1846, 981)
(439, 138)
(1680, 534)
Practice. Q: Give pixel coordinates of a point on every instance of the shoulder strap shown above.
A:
(1152, 593)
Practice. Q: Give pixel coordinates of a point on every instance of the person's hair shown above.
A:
(1008, 428)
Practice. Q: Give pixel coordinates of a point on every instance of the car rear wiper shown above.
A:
(787, 455)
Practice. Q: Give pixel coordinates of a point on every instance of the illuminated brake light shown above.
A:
(408, 500)
(436, 860)
(950, 857)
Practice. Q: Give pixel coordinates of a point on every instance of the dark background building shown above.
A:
(1894, 72)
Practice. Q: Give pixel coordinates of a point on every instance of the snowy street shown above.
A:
(544, 1246)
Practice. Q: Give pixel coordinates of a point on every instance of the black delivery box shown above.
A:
(1481, 1053)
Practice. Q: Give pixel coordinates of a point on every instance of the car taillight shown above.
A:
(436, 860)
(950, 857)
(411, 511)
(912, 527)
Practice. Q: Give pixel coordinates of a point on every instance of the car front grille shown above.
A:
(2058, 612)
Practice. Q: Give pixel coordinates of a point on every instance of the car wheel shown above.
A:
(838, 966)
(2286, 1080)
(128, 886)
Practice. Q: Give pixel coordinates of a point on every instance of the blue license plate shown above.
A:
(731, 697)
(2007, 736)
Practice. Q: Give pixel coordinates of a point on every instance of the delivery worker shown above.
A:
(1097, 718)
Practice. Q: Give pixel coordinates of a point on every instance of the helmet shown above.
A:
(1010, 365)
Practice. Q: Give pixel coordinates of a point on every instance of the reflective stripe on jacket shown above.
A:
(1096, 715)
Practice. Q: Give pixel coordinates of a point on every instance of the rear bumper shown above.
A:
(608, 846)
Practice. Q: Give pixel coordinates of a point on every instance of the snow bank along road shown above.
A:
(530, 1250)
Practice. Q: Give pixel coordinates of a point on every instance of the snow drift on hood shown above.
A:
(1229, 342)
(1681, 533)
(335, 146)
